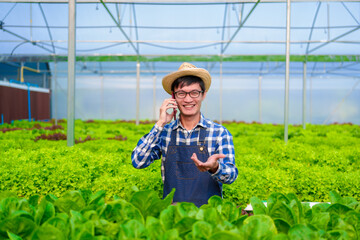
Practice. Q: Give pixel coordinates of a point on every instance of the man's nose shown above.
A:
(188, 98)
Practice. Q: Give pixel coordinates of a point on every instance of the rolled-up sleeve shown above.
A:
(148, 149)
(227, 171)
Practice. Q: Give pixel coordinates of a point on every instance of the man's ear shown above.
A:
(204, 95)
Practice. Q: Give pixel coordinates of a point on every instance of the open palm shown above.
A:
(211, 164)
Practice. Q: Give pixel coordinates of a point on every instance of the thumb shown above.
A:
(194, 156)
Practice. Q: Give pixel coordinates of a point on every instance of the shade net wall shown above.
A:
(245, 97)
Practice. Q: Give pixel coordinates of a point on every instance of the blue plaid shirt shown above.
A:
(218, 141)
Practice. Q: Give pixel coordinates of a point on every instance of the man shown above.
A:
(197, 154)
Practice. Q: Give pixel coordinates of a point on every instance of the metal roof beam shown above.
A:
(119, 26)
(334, 39)
(48, 28)
(223, 28)
(136, 27)
(25, 41)
(169, 2)
(312, 28)
(240, 26)
(181, 58)
(347, 9)
(333, 70)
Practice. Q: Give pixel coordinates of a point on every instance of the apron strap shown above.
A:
(173, 137)
(202, 136)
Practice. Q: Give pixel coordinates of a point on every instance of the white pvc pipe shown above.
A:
(221, 93)
(71, 74)
(154, 97)
(102, 96)
(304, 98)
(55, 91)
(286, 111)
(137, 92)
(260, 115)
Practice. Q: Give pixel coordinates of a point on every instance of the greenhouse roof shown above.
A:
(225, 37)
(171, 31)
(247, 30)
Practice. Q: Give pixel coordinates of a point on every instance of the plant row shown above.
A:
(143, 215)
(312, 163)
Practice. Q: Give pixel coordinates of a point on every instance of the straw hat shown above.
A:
(186, 69)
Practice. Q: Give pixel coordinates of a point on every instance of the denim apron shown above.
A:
(182, 174)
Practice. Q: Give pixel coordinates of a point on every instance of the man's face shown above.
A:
(190, 106)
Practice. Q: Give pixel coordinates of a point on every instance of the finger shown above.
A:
(196, 160)
(218, 156)
(170, 107)
(200, 165)
(168, 101)
(194, 157)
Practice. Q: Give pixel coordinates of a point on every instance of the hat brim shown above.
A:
(198, 72)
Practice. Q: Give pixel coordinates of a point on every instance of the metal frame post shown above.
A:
(55, 91)
(137, 92)
(286, 111)
(44, 80)
(154, 97)
(310, 101)
(71, 74)
(102, 96)
(304, 98)
(260, 116)
(221, 92)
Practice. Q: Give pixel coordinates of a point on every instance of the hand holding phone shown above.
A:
(168, 110)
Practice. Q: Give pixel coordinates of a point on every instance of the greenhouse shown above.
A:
(81, 82)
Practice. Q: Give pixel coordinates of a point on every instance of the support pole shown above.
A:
(310, 100)
(31, 21)
(154, 98)
(260, 116)
(55, 91)
(29, 102)
(286, 111)
(221, 92)
(102, 96)
(71, 74)
(328, 21)
(44, 80)
(137, 92)
(304, 98)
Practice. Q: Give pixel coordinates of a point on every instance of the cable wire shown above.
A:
(180, 48)
(9, 12)
(17, 47)
(88, 50)
(189, 28)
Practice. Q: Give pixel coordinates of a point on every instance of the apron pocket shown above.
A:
(186, 170)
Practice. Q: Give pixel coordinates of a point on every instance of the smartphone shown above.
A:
(173, 96)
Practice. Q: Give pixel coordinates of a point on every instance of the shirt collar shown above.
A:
(204, 123)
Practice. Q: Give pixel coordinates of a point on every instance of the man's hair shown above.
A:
(186, 81)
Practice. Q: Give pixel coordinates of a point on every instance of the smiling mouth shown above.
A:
(189, 106)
